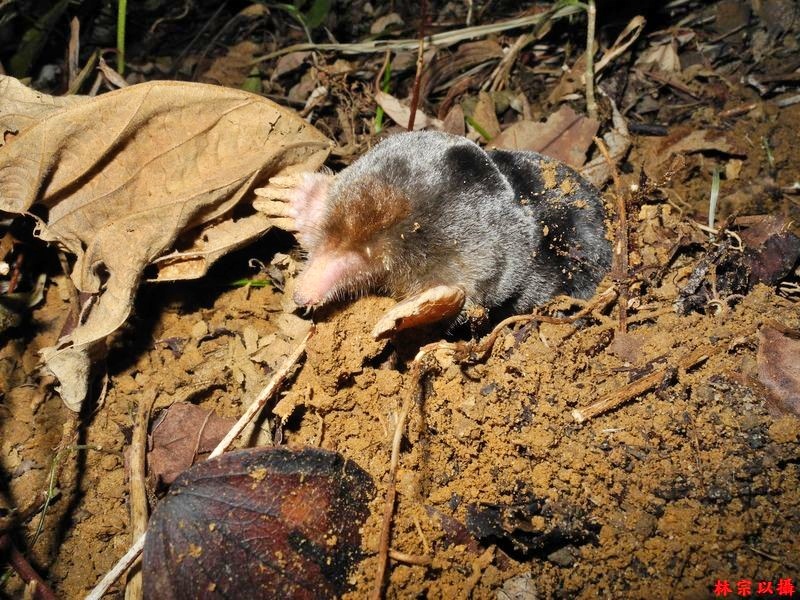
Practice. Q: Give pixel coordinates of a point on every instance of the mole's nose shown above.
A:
(302, 300)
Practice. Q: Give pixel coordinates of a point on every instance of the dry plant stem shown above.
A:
(499, 77)
(619, 269)
(642, 385)
(255, 407)
(118, 569)
(277, 380)
(73, 50)
(438, 40)
(591, 17)
(418, 372)
(23, 568)
(420, 64)
(487, 343)
(138, 497)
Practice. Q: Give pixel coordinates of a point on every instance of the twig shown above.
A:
(419, 368)
(277, 380)
(475, 352)
(497, 79)
(642, 385)
(138, 492)
(410, 559)
(24, 569)
(591, 17)
(619, 269)
(255, 407)
(73, 50)
(420, 64)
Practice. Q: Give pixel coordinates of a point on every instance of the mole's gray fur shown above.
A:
(512, 228)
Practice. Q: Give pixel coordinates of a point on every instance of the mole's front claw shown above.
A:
(278, 212)
(431, 306)
(276, 198)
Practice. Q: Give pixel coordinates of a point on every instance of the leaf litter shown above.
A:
(498, 489)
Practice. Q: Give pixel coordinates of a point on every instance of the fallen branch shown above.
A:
(644, 384)
(472, 352)
(255, 407)
(138, 489)
(591, 17)
(23, 568)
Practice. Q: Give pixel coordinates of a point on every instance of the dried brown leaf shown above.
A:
(779, 369)
(485, 115)
(183, 435)
(259, 523)
(447, 66)
(123, 175)
(400, 113)
(288, 63)
(565, 136)
(618, 141)
(454, 121)
(383, 23)
(22, 106)
(233, 67)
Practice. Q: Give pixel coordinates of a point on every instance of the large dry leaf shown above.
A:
(122, 176)
(20, 106)
(685, 140)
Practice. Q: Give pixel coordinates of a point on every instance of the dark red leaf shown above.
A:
(260, 523)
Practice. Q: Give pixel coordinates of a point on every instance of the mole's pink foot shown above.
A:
(296, 202)
(431, 306)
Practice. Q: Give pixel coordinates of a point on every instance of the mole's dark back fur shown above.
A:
(512, 228)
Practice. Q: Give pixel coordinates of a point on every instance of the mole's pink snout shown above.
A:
(325, 274)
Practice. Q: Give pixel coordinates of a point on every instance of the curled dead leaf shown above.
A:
(400, 113)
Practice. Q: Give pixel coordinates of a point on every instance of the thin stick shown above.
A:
(118, 569)
(24, 569)
(642, 385)
(410, 559)
(420, 65)
(475, 352)
(591, 103)
(620, 263)
(138, 490)
(255, 407)
(488, 342)
(277, 380)
(439, 40)
(391, 493)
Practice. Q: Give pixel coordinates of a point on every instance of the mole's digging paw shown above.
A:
(431, 306)
(296, 202)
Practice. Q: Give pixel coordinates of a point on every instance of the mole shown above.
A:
(506, 230)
